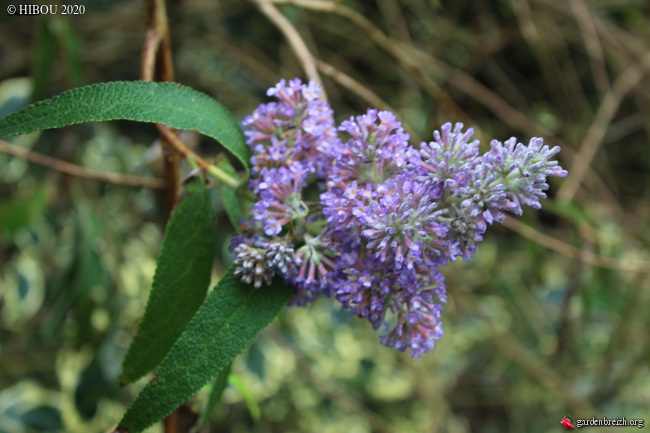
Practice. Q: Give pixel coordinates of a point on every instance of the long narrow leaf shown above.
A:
(173, 104)
(239, 385)
(219, 384)
(179, 286)
(228, 321)
(229, 197)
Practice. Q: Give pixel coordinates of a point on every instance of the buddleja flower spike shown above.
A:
(389, 215)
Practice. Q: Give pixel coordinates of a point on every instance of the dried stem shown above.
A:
(365, 93)
(297, 43)
(78, 171)
(406, 55)
(627, 81)
(567, 250)
(592, 44)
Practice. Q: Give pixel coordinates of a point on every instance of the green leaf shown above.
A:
(239, 385)
(179, 286)
(70, 43)
(173, 104)
(228, 321)
(218, 386)
(83, 275)
(43, 53)
(21, 212)
(230, 197)
(568, 209)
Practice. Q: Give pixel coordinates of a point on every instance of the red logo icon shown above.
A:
(566, 423)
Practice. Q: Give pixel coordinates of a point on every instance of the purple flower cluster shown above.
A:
(363, 216)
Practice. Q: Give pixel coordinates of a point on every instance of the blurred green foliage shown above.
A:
(536, 326)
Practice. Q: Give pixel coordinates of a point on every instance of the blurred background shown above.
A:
(549, 318)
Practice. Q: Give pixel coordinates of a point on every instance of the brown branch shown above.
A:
(78, 171)
(170, 422)
(149, 52)
(164, 66)
(157, 57)
(180, 148)
(157, 62)
(156, 53)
